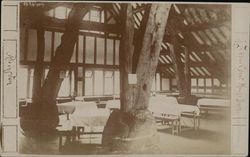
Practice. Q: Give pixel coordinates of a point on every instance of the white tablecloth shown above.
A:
(170, 106)
(70, 107)
(90, 117)
(213, 102)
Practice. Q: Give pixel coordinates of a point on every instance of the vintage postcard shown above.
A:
(124, 78)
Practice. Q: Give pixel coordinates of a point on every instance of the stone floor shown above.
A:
(213, 137)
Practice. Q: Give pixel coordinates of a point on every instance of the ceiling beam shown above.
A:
(59, 24)
(94, 66)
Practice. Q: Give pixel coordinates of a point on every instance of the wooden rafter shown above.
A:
(212, 23)
(114, 14)
(217, 69)
(139, 8)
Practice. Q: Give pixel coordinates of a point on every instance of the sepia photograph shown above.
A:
(121, 78)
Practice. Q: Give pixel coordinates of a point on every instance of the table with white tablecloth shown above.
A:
(168, 109)
(85, 115)
(93, 119)
(206, 104)
(70, 107)
(169, 106)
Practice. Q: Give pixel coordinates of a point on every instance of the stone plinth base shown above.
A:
(131, 133)
(38, 125)
(37, 122)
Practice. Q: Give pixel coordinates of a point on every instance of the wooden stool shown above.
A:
(79, 131)
(174, 122)
(195, 117)
(64, 131)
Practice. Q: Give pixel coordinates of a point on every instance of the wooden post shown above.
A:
(38, 71)
(182, 71)
(84, 67)
(175, 51)
(187, 72)
(170, 84)
(160, 81)
(126, 54)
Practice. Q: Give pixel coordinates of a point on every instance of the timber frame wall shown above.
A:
(102, 23)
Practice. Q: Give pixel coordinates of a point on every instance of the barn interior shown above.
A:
(124, 78)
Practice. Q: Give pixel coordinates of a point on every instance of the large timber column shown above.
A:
(43, 114)
(38, 72)
(132, 129)
(126, 57)
(182, 70)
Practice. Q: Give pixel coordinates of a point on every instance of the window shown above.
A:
(95, 16)
(100, 51)
(30, 82)
(86, 17)
(165, 84)
(108, 82)
(80, 72)
(117, 82)
(208, 82)
(88, 82)
(57, 40)
(216, 82)
(73, 57)
(79, 88)
(61, 12)
(153, 85)
(208, 85)
(90, 49)
(72, 82)
(158, 84)
(98, 82)
(65, 86)
(102, 16)
(32, 45)
(80, 49)
(110, 51)
(47, 52)
(174, 84)
(193, 85)
(22, 82)
(117, 46)
(200, 85)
